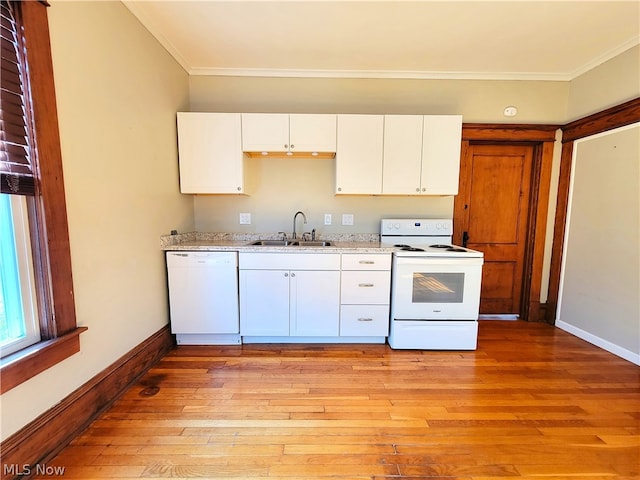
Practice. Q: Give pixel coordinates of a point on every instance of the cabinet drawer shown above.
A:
(365, 287)
(366, 261)
(364, 320)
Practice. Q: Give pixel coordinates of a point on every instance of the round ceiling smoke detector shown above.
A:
(510, 111)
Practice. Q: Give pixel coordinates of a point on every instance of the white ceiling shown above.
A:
(514, 39)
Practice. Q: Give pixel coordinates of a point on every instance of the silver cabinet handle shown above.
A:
(365, 319)
(293, 274)
(366, 262)
(366, 285)
(286, 274)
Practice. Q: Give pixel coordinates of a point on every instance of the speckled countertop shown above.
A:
(341, 243)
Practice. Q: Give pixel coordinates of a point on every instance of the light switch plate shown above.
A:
(327, 219)
(347, 219)
(245, 219)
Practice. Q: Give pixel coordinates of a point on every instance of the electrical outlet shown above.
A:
(327, 219)
(245, 219)
(347, 219)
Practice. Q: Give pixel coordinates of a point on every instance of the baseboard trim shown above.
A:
(599, 342)
(47, 435)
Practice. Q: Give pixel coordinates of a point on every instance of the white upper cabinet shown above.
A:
(421, 154)
(288, 133)
(265, 132)
(441, 141)
(312, 132)
(210, 151)
(402, 154)
(359, 154)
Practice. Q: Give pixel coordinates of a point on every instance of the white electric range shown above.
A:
(435, 286)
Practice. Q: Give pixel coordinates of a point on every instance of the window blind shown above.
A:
(16, 168)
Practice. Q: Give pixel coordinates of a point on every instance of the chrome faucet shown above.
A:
(304, 217)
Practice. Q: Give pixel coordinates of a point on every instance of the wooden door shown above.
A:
(496, 191)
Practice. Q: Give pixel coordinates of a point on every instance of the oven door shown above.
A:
(436, 288)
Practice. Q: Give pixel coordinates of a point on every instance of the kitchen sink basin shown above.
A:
(290, 243)
(271, 243)
(312, 243)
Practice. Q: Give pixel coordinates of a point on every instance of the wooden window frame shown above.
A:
(61, 335)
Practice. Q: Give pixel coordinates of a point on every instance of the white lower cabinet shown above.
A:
(364, 320)
(264, 302)
(365, 293)
(311, 297)
(314, 304)
(289, 294)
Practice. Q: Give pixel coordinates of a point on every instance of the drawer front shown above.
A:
(289, 261)
(366, 261)
(367, 287)
(364, 320)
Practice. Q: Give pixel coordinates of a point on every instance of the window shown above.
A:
(19, 327)
(37, 311)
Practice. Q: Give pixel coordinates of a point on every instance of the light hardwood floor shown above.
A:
(531, 402)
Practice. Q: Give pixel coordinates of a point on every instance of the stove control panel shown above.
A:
(416, 226)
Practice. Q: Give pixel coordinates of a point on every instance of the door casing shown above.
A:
(542, 138)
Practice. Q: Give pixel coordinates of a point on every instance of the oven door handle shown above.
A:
(465, 239)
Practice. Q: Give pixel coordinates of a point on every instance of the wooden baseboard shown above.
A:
(43, 438)
(544, 313)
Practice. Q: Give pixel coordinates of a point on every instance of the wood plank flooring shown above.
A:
(531, 402)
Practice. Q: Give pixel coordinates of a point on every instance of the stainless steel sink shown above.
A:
(272, 243)
(312, 243)
(291, 243)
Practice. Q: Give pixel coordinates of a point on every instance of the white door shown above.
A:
(210, 151)
(359, 154)
(265, 132)
(312, 132)
(264, 302)
(402, 161)
(315, 303)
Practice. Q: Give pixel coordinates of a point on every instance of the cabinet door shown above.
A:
(312, 133)
(264, 302)
(315, 303)
(210, 150)
(265, 132)
(359, 154)
(442, 137)
(402, 158)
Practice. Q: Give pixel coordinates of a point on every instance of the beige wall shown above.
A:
(476, 100)
(281, 186)
(117, 97)
(600, 294)
(607, 85)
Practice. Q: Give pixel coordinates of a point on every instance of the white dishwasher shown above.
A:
(203, 297)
